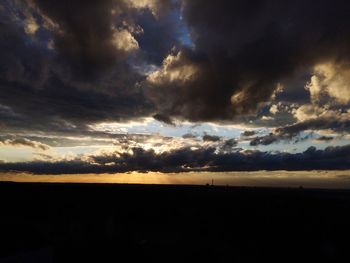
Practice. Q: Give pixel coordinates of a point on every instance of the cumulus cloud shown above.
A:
(328, 109)
(244, 51)
(123, 40)
(72, 70)
(329, 102)
(174, 69)
(330, 79)
(314, 117)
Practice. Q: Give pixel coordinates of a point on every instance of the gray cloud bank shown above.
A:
(188, 159)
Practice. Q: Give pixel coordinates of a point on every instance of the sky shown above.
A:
(116, 86)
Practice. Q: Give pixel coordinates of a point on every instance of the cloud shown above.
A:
(174, 70)
(123, 40)
(25, 142)
(265, 140)
(331, 80)
(189, 136)
(248, 133)
(160, 33)
(312, 117)
(243, 52)
(188, 159)
(229, 145)
(210, 138)
(274, 109)
(163, 118)
(325, 138)
(31, 26)
(328, 109)
(72, 70)
(65, 69)
(158, 7)
(88, 42)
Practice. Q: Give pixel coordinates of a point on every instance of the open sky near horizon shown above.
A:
(286, 179)
(174, 86)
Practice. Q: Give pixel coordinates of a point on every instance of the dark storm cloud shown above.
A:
(73, 65)
(86, 31)
(244, 49)
(83, 35)
(83, 77)
(187, 159)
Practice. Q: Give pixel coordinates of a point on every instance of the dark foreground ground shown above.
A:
(127, 223)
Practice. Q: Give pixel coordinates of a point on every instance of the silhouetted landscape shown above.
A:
(42, 222)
